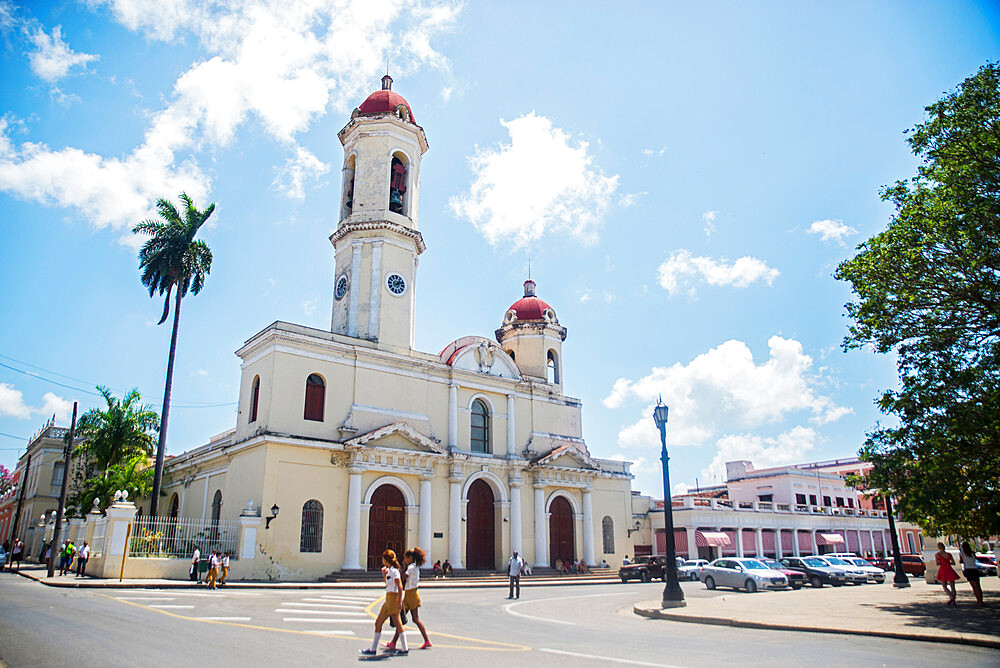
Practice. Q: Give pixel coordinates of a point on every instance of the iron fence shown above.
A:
(169, 537)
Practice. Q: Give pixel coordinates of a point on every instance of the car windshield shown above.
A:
(815, 563)
(837, 562)
(690, 562)
(862, 562)
(771, 563)
(754, 565)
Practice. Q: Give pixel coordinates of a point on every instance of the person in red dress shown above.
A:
(946, 575)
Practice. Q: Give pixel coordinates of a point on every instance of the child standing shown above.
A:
(412, 560)
(392, 606)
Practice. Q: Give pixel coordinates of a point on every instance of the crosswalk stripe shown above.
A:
(224, 619)
(145, 598)
(324, 605)
(322, 612)
(336, 632)
(327, 621)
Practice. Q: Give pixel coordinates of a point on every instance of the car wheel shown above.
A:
(796, 586)
(645, 576)
(837, 584)
(750, 586)
(694, 577)
(815, 581)
(710, 582)
(624, 579)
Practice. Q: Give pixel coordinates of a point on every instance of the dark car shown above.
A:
(796, 579)
(816, 571)
(644, 568)
(913, 564)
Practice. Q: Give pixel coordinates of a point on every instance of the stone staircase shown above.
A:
(478, 577)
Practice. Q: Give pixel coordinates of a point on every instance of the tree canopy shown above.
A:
(928, 289)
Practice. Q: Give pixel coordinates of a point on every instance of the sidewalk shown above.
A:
(38, 573)
(915, 613)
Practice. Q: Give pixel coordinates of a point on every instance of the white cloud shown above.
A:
(12, 404)
(789, 447)
(446, 93)
(309, 306)
(52, 58)
(284, 65)
(649, 152)
(304, 166)
(585, 297)
(834, 230)
(681, 265)
(708, 218)
(542, 182)
(723, 391)
(680, 488)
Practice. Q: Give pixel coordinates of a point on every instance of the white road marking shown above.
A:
(603, 658)
(145, 598)
(173, 607)
(224, 619)
(345, 599)
(328, 621)
(508, 607)
(337, 632)
(322, 612)
(324, 605)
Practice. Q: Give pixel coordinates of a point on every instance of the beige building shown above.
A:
(364, 443)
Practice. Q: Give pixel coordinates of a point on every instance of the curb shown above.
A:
(94, 583)
(897, 635)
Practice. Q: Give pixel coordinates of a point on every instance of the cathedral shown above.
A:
(364, 443)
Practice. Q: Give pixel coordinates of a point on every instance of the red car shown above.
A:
(796, 579)
(913, 564)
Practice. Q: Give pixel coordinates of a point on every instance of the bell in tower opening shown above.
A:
(397, 186)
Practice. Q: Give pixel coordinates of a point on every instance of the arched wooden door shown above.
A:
(480, 530)
(386, 525)
(560, 531)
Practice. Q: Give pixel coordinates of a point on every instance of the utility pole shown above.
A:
(67, 453)
(20, 499)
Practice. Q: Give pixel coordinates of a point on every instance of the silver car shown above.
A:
(854, 574)
(749, 574)
(873, 572)
(691, 569)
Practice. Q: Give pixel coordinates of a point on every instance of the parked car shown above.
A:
(691, 569)
(644, 568)
(854, 575)
(874, 573)
(913, 564)
(986, 565)
(748, 574)
(817, 571)
(796, 579)
(3, 557)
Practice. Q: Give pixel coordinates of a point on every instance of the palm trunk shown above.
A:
(161, 446)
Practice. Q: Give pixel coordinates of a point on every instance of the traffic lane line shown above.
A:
(178, 607)
(321, 605)
(509, 608)
(604, 659)
(323, 612)
(325, 621)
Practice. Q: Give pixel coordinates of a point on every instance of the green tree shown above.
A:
(928, 289)
(133, 475)
(172, 261)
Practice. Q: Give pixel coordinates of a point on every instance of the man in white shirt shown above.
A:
(514, 568)
(81, 560)
(196, 566)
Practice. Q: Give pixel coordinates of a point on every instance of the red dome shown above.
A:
(385, 100)
(529, 307)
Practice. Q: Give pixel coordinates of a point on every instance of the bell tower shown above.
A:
(377, 244)
(532, 336)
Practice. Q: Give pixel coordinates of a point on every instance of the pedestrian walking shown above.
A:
(970, 569)
(81, 560)
(213, 569)
(225, 570)
(946, 575)
(412, 561)
(392, 606)
(16, 554)
(515, 566)
(195, 572)
(66, 557)
(43, 555)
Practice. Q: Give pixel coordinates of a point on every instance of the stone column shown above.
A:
(795, 543)
(119, 516)
(247, 538)
(815, 542)
(376, 289)
(588, 527)
(455, 519)
(352, 539)
(759, 541)
(541, 542)
(692, 544)
(515, 514)
(871, 538)
(777, 544)
(354, 288)
(452, 418)
(739, 542)
(511, 447)
(425, 535)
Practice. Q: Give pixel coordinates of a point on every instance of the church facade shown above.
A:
(364, 443)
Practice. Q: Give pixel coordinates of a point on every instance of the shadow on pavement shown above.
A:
(966, 617)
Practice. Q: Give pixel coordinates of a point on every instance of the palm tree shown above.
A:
(113, 437)
(172, 260)
(133, 475)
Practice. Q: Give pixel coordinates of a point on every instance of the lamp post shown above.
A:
(901, 579)
(673, 595)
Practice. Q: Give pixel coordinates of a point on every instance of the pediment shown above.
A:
(567, 456)
(480, 355)
(397, 436)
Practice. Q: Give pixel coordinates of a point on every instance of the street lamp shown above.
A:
(274, 513)
(673, 595)
(901, 579)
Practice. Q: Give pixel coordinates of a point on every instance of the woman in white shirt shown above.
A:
(970, 569)
(412, 560)
(393, 603)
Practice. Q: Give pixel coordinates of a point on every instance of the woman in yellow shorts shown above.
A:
(393, 603)
(412, 560)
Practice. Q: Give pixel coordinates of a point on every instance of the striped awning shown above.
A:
(829, 539)
(711, 539)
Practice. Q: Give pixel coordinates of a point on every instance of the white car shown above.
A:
(691, 569)
(874, 573)
(748, 574)
(854, 574)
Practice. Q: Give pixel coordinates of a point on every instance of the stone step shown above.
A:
(471, 576)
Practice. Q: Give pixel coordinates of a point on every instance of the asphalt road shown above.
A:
(549, 626)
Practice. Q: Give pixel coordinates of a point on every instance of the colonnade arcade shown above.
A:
(708, 542)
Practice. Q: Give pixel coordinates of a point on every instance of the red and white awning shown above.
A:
(711, 539)
(829, 539)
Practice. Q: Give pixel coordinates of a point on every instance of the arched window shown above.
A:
(254, 397)
(348, 200)
(315, 397)
(216, 514)
(311, 536)
(608, 532)
(553, 367)
(175, 506)
(480, 426)
(398, 178)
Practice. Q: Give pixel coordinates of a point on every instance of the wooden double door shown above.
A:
(386, 525)
(480, 528)
(560, 531)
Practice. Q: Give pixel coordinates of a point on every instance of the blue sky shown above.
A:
(683, 178)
